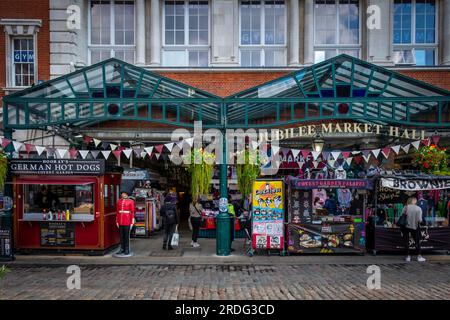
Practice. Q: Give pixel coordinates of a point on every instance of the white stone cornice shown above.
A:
(20, 27)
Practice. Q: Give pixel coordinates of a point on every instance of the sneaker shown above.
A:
(196, 245)
(421, 259)
(192, 243)
(408, 259)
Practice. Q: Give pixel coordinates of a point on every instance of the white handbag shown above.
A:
(175, 238)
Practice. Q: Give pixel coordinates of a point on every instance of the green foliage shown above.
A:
(3, 169)
(3, 271)
(432, 159)
(200, 166)
(248, 171)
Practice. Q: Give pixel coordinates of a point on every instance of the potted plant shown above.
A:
(432, 159)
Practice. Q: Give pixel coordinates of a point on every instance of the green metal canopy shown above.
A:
(110, 90)
(339, 88)
(342, 87)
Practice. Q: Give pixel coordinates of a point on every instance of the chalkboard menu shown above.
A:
(5, 243)
(57, 234)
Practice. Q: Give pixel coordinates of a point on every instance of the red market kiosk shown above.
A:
(65, 205)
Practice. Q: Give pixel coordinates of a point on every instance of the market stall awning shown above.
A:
(110, 90)
(342, 87)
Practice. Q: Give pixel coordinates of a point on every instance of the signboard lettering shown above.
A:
(57, 167)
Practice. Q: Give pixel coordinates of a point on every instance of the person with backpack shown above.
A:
(195, 216)
(169, 214)
(413, 215)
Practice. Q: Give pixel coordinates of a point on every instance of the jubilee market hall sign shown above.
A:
(334, 128)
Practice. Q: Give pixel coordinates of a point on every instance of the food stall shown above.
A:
(393, 190)
(326, 215)
(65, 205)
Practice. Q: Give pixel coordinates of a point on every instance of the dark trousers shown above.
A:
(124, 238)
(169, 230)
(415, 234)
(196, 224)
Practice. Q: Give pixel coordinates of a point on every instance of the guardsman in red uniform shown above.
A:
(125, 221)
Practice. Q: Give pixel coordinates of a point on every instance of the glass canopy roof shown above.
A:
(339, 88)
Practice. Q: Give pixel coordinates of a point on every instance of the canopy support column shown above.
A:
(6, 221)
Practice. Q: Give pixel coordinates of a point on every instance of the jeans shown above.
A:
(124, 232)
(169, 230)
(415, 234)
(196, 224)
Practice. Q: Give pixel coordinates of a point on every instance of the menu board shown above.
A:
(5, 243)
(57, 234)
(268, 214)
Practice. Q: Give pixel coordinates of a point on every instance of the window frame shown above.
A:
(337, 46)
(186, 47)
(112, 47)
(11, 79)
(262, 47)
(413, 45)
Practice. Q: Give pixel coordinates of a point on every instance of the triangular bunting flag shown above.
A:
(335, 154)
(117, 153)
(295, 152)
(17, 145)
(426, 142)
(305, 153)
(105, 145)
(436, 138)
(157, 156)
(416, 144)
(5, 143)
(169, 146)
(376, 152)
(73, 153)
(61, 153)
(159, 148)
(396, 148)
(83, 153)
(50, 152)
(113, 146)
(325, 155)
(331, 163)
(95, 153)
(39, 149)
(137, 152)
(315, 155)
(97, 142)
(346, 154)
(349, 160)
(143, 154)
(149, 151)
(87, 139)
(106, 154)
(366, 158)
(386, 152)
(127, 153)
(29, 147)
(355, 152)
(315, 163)
(406, 147)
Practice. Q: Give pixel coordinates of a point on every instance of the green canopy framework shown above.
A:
(110, 90)
(341, 88)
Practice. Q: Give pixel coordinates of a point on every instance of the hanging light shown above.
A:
(318, 143)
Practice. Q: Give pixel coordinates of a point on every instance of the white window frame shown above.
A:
(112, 47)
(337, 46)
(12, 78)
(186, 47)
(413, 45)
(263, 46)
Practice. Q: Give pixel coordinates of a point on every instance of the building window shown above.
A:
(414, 32)
(23, 69)
(263, 33)
(112, 25)
(336, 28)
(186, 33)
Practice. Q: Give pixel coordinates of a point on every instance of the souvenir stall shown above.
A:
(326, 215)
(148, 202)
(393, 190)
(65, 205)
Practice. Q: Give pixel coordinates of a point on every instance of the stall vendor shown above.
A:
(46, 199)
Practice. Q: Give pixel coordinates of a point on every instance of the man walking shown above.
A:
(169, 214)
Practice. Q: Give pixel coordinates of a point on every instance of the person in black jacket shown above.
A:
(169, 214)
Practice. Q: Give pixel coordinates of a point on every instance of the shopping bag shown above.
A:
(175, 238)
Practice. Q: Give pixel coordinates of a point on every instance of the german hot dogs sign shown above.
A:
(59, 167)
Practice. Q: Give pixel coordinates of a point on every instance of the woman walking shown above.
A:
(195, 215)
(414, 218)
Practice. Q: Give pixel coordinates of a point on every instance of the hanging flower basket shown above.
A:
(432, 159)
(200, 165)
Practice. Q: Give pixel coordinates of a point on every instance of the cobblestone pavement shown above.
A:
(341, 281)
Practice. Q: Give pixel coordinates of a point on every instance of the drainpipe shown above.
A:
(223, 228)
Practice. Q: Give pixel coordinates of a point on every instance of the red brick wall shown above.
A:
(226, 83)
(27, 9)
